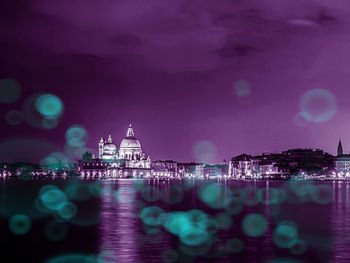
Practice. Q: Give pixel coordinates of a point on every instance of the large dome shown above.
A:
(130, 142)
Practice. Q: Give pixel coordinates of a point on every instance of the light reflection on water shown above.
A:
(120, 236)
(340, 222)
(320, 225)
(117, 228)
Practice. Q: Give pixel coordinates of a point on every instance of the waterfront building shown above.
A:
(309, 161)
(289, 163)
(190, 170)
(341, 162)
(273, 169)
(166, 169)
(243, 166)
(90, 162)
(127, 161)
(214, 171)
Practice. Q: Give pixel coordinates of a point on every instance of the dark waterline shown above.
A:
(114, 228)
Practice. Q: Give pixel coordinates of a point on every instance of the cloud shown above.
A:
(236, 50)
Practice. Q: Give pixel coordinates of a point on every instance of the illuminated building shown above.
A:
(280, 166)
(213, 171)
(190, 170)
(242, 166)
(342, 162)
(107, 149)
(128, 161)
(164, 169)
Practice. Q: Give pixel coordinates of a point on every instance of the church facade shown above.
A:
(127, 161)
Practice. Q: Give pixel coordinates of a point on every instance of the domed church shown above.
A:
(128, 161)
(130, 147)
(107, 150)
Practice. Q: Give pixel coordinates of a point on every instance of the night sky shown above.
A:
(231, 73)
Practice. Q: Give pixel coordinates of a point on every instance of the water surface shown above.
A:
(109, 228)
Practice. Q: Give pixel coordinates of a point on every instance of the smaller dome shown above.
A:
(109, 147)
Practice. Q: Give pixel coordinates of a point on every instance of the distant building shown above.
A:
(242, 166)
(190, 170)
(256, 167)
(89, 162)
(342, 162)
(213, 171)
(289, 163)
(127, 161)
(310, 161)
(164, 169)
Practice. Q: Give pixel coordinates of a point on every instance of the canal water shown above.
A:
(73, 220)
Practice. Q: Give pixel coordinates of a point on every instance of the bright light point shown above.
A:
(49, 105)
(318, 105)
(151, 215)
(20, 224)
(76, 136)
(194, 236)
(254, 225)
(53, 199)
(286, 234)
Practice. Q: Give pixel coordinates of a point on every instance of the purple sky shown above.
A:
(169, 67)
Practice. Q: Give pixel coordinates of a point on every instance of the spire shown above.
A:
(109, 138)
(340, 148)
(130, 132)
(101, 140)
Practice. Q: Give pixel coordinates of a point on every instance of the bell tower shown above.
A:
(130, 132)
(100, 148)
(340, 148)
